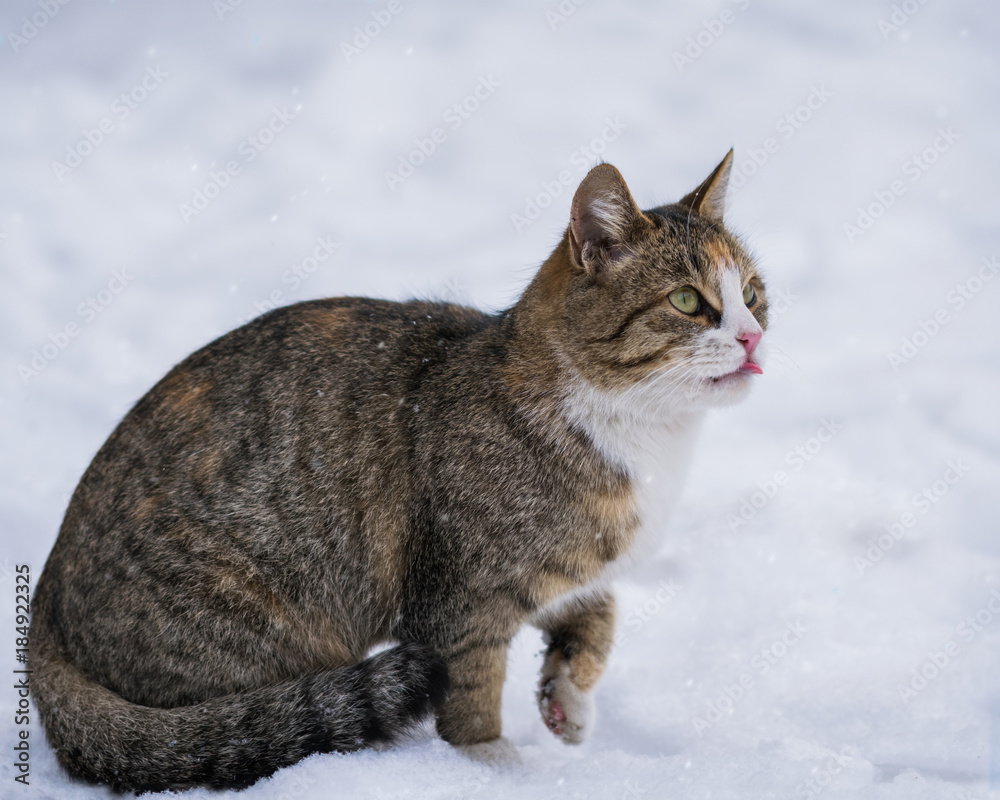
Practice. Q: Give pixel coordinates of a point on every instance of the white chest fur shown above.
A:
(654, 451)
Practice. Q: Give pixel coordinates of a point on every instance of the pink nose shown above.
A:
(749, 340)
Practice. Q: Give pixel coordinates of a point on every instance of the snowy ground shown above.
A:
(781, 613)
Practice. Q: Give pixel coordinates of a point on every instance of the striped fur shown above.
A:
(344, 473)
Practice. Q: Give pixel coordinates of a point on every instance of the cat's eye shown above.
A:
(685, 299)
(749, 295)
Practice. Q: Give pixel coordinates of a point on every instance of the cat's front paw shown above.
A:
(566, 711)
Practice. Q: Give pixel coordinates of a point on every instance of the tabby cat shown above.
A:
(344, 473)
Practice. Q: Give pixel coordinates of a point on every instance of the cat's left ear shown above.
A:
(709, 199)
(604, 221)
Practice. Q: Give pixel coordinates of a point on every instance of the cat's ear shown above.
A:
(604, 221)
(709, 199)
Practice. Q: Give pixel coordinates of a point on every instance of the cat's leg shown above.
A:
(579, 638)
(477, 666)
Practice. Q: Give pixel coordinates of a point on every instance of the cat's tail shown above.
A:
(231, 741)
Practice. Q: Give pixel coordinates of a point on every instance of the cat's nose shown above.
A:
(749, 340)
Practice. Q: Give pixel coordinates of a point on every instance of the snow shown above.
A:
(834, 445)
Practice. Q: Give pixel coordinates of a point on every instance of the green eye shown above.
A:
(685, 299)
(749, 295)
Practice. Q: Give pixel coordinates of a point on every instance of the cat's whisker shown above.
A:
(779, 357)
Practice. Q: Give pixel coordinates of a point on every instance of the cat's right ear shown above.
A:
(604, 220)
(709, 199)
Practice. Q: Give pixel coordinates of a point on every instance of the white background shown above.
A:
(447, 231)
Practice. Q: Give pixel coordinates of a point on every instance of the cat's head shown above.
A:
(665, 305)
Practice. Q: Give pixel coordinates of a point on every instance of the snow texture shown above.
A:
(763, 652)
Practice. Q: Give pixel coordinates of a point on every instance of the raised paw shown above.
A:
(566, 711)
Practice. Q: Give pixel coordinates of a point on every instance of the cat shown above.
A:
(343, 473)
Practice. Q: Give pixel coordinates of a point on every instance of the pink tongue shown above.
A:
(751, 367)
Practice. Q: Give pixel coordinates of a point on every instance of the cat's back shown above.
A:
(378, 338)
(275, 400)
(247, 478)
(305, 357)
